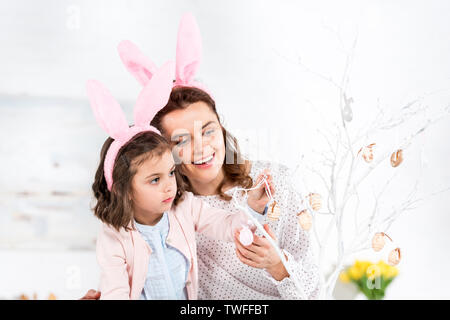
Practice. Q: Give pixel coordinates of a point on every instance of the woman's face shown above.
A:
(197, 141)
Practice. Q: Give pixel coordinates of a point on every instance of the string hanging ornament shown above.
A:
(305, 218)
(379, 242)
(367, 152)
(253, 222)
(397, 158)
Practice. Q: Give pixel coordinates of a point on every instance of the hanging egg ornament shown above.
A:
(397, 158)
(367, 152)
(378, 241)
(305, 219)
(315, 200)
(394, 257)
(274, 211)
(347, 113)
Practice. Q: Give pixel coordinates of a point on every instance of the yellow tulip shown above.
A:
(391, 272)
(344, 277)
(384, 268)
(355, 273)
(373, 271)
(362, 265)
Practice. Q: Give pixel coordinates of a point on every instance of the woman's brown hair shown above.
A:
(236, 171)
(115, 207)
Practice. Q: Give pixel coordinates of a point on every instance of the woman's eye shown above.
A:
(172, 173)
(208, 132)
(182, 142)
(154, 181)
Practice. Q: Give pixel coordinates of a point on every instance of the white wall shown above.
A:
(252, 51)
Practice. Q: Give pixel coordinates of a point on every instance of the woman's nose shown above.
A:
(198, 145)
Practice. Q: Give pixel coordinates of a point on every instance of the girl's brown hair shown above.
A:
(115, 207)
(236, 171)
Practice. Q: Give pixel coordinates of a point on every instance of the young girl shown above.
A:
(146, 247)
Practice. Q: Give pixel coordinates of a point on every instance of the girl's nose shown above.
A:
(169, 187)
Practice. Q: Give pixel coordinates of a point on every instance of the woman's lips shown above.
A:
(206, 165)
(168, 200)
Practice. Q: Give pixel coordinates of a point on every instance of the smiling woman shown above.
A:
(208, 155)
(211, 166)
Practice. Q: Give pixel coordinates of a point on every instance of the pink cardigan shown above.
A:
(123, 256)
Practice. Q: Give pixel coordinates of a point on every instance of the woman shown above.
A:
(211, 166)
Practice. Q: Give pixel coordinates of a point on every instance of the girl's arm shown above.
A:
(220, 224)
(114, 281)
(215, 223)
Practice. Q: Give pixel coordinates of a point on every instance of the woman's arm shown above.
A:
(114, 280)
(294, 242)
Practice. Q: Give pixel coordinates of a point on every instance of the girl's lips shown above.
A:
(168, 200)
(206, 165)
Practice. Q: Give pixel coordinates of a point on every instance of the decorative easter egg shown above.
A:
(274, 211)
(305, 219)
(246, 236)
(394, 257)
(315, 200)
(397, 158)
(347, 113)
(378, 241)
(367, 152)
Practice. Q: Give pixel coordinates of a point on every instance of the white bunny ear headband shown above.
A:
(110, 117)
(188, 56)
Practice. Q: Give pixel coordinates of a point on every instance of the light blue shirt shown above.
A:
(168, 268)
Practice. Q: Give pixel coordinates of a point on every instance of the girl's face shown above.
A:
(154, 187)
(197, 141)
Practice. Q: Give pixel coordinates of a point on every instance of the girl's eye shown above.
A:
(154, 181)
(208, 132)
(172, 173)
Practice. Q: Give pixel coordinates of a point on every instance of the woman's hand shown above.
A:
(260, 254)
(258, 199)
(91, 295)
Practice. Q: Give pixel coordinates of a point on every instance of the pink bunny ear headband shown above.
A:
(111, 118)
(188, 56)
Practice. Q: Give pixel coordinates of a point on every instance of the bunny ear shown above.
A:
(107, 111)
(155, 95)
(141, 67)
(189, 49)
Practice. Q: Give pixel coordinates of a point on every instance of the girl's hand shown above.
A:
(257, 199)
(260, 254)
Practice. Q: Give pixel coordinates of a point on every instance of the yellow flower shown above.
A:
(384, 268)
(343, 276)
(362, 265)
(355, 273)
(373, 271)
(392, 272)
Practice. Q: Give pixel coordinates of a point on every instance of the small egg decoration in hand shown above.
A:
(305, 219)
(367, 152)
(397, 158)
(274, 212)
(315, 201)
(246, 236)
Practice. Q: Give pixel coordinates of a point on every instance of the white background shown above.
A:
(266, 63)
